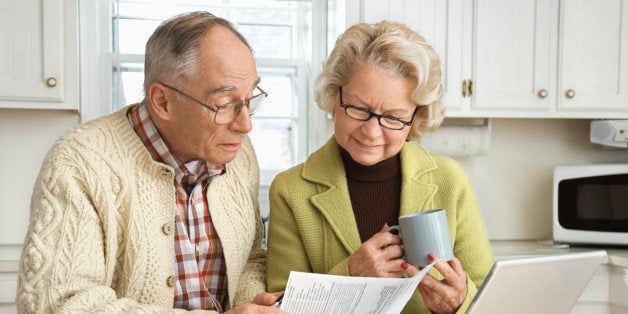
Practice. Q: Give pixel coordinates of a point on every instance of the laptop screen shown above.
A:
(545, 284)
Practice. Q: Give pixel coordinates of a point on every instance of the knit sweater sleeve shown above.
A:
(72, 257)
(67, 263)
(253, 277)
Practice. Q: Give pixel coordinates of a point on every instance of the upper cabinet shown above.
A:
(514, 63)
(521, 58)
(443, 24)
(593, 56)
(39, 59)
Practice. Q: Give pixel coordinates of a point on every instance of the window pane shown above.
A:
(272, 139)
(282, 96)
(145, 9)
(269, 41)
(270, 26)
(134, 34)
(127, 85)
(273, 14)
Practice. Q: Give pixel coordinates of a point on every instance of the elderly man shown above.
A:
(154, 207)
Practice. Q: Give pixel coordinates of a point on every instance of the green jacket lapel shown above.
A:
(324, 167)
(416, 187)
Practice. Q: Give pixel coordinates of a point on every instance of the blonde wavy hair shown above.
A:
(392, 47)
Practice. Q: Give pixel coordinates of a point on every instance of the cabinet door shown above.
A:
(443, 23)
(593, 59)
(514, 56)
(38, 39)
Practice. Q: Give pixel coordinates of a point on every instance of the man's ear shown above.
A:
(157, 96)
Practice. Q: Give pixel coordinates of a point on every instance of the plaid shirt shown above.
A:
(199, 261)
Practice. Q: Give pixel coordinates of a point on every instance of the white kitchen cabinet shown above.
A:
(39, 59)
(521, 58)
(514, 67)
(593, 56)
(444, 25)
(540, 58)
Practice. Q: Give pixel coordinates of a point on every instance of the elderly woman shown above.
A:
(329, 215)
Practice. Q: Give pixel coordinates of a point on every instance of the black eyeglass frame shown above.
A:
(237, 105)
(372, 114)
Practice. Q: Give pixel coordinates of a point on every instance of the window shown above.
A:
(289, 38)
(280, 34)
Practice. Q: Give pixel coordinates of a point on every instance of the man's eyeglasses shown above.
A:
(226, 113)
(363, 114)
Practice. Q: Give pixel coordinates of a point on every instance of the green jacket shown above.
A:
(312, 227)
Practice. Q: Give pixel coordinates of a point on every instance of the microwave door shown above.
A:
(619, 201)
(598, 203)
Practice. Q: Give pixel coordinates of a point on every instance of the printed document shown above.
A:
(318, 293)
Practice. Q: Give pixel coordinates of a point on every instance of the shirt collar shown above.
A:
(145, 128)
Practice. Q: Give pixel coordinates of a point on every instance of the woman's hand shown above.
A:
(379, 256)
(443, 296)
(261, 304)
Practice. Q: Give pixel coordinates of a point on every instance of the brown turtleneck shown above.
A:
(375, 192)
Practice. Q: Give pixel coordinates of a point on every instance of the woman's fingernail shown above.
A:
(431, 257)
(404, 265)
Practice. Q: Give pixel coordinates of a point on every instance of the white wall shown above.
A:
(513, 181)
(25, 137)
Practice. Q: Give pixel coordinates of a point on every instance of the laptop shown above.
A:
(545, 284)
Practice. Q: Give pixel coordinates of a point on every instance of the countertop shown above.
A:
(617, 256)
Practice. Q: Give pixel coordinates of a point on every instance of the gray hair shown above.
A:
(392, 47)
(172, 50)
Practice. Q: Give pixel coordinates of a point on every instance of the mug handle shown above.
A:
(394, 228)
(398, 233)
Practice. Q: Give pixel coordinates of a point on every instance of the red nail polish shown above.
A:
(404, 265)
(431, 257)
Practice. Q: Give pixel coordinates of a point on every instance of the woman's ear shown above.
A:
(158, 100)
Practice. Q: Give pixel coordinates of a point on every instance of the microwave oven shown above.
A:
(591, 204)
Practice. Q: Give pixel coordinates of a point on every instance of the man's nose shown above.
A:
(242, 121)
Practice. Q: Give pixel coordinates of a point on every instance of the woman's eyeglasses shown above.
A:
(363, 114)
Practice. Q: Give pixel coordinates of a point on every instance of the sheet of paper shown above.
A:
(318, 293)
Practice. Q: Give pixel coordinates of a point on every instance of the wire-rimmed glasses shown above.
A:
(226, 113)
(363, 114)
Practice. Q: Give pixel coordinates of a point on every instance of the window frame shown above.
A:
(300, 68)
(96, 62)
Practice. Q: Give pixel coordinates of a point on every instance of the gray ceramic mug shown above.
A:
(425, 233)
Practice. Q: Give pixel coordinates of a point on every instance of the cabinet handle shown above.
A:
(467, 88)
(542, 94)
(570, 93)
(51, 82)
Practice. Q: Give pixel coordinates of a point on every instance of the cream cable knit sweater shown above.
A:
(101, 225)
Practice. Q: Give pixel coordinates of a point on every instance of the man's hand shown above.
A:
(261, 304)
